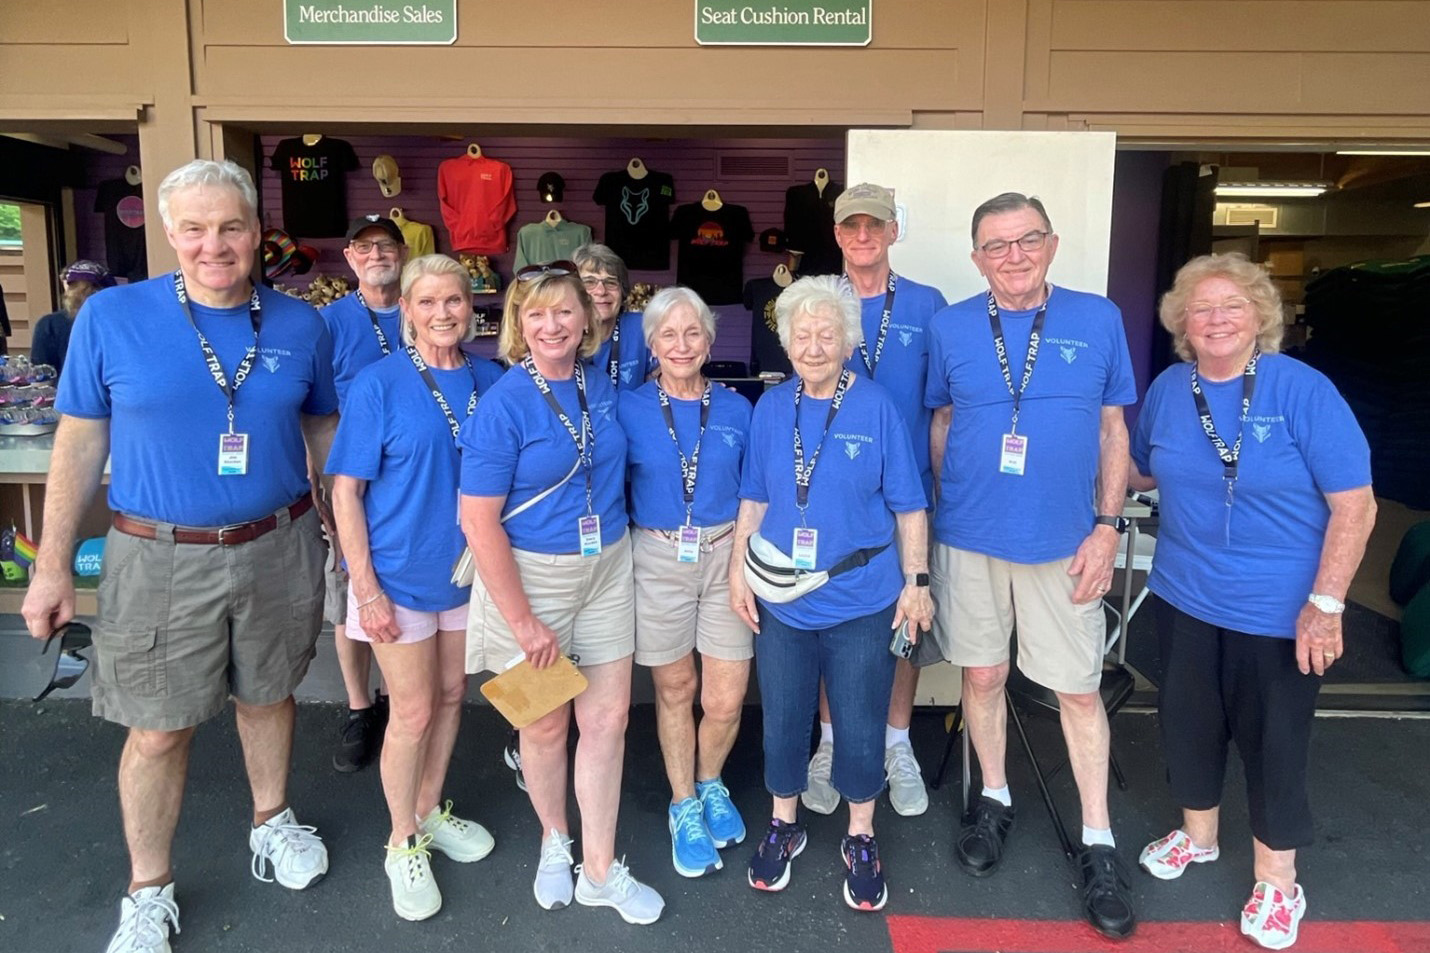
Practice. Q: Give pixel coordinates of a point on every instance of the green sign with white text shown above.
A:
(787, 23)
(359, 22)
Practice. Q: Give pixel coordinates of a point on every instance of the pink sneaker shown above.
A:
(1270, 918)
(1165, 859)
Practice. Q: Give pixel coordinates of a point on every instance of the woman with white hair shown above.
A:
(397, 467)
(686, 444)
(830, 490)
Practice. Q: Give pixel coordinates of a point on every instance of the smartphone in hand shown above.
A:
(901, 645)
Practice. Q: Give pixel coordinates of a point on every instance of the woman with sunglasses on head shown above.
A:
(395, 465)
(554, 576)
(1266, 506)
(621, 355)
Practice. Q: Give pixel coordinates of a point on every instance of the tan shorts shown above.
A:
(682, 607)
(183, 626)
(335, 592)
(588, 601)
(978, 599)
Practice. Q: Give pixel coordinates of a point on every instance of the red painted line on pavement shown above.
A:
(973, 935)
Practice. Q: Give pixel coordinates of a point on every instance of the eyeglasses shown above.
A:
(997, 248)
(363, 246)
(592, 282)
(1231, 307)
(555, 269)
(70, 666)
(874, 226)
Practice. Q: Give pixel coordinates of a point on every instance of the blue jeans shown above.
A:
(858, 670)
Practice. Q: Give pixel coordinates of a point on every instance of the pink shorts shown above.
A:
(416, 625)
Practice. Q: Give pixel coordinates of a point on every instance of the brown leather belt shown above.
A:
(234, 535)
(707, 540)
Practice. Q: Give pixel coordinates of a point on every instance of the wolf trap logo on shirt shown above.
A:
(906, 332)
(1068, 348)
(1261, 426)
(853, 443)
(635, 203)
(268, 356)
(602, 409)
(730, 435)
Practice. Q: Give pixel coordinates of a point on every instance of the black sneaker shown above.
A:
(362, 734)
(511, 754)
(980, 844)
(1106, 900)
(769, 867)
(864, 887)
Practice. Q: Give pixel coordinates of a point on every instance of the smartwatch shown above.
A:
(1119, 523)
(920, 579)
(1327, 604)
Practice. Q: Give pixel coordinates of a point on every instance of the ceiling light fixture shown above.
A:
(1383, 152)
(1270, 189)
(1422, 204)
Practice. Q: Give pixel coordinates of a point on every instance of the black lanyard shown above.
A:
(431, 383)
(376, 328)
(883, 329)
(585, 440)
(245, 366)
(688, 468)
(1230, 456)
(802, 474)
(1001, 349)
(613, 361)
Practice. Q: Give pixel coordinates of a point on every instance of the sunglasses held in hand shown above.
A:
(70, 666)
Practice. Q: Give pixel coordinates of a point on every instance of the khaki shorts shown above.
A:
(682, 607)
(335, 591)
(978, 599)
(588, 601)
(182, 626)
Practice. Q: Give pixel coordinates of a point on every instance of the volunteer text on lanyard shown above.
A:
(805, 550)
(431, 382)
(688, 548)
(588, 527)
(376, 328)
(883, 329)
(1013, 458)
(232, 447)
(1230, 456)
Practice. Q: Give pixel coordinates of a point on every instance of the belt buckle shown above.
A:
(231, 528)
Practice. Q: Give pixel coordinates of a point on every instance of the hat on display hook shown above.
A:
(550, 187)
(278, 249)
(389, 179)
(773, 239)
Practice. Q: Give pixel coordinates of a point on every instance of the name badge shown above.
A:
(688, 548)
(232, 454)
(1015, 454)
(805, 550)
(590, 529)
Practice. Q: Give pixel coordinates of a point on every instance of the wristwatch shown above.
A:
(920, 579)
(1119, 523)
(1327, 604)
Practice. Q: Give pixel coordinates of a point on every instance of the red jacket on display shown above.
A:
(477, 202)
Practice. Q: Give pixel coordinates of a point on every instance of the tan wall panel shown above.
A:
(62, 70)
(64, 22)
(1367, 82)
(1172, 82)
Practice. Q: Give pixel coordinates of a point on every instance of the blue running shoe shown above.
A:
(722, 818)
(769, 867)
(864, 887)
(691, 849)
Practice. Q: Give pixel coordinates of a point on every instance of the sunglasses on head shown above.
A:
(555, 269)
(70, 666)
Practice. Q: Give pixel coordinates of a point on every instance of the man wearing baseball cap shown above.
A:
(365, 327)
(894, 354)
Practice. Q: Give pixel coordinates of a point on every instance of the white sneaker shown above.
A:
(1270, 918)
(633, 900)
(820, 796)
(296, 851)
(1168, 857)
(409, 871)
(553, 886)
(144, 919)
(462, 841)
(907, 793)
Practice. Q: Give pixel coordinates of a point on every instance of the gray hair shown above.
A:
(1009, 202)
(823, 295)
(1235, 267)
(598, 257)
(434, 266)
(666, 300)
(208, 172)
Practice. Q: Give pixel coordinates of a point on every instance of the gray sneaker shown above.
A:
(553, 872)
(633, 900)
(144, 920)
(820, 796)
(907, 793)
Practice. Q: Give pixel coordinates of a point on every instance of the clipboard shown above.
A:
(524, 694)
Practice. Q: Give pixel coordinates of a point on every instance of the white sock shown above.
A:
(893, 736)
(826, 733)
(1001, 795)
(1091, 836)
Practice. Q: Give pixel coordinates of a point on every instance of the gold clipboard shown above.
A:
(524, 694)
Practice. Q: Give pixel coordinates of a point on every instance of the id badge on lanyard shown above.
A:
(687, 549)
(589, 529)
(1014, 456)
(805, 550)
(232, 454)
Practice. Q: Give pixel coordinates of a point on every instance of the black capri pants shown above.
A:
(1222, 685)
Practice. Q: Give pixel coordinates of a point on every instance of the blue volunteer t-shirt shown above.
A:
(355, 344)
(515, 446)
(394, 435)
(1249, 567)
(134, 359)
(865, 474)
(1083, 366)
(635, 356)
(653, 465)
(902, 369)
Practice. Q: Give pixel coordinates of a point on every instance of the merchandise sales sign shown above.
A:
(788, 23)
(357, 22)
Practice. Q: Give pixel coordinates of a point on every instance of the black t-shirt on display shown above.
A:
(122, 206)
(765, 351)
(712, 250)
(315, 203)
(637, 217)
(809, 227)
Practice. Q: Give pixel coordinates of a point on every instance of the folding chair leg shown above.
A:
(1117, 770)
(956, 714)
(1063, 840)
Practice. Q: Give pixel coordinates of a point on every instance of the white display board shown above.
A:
(939, 177)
